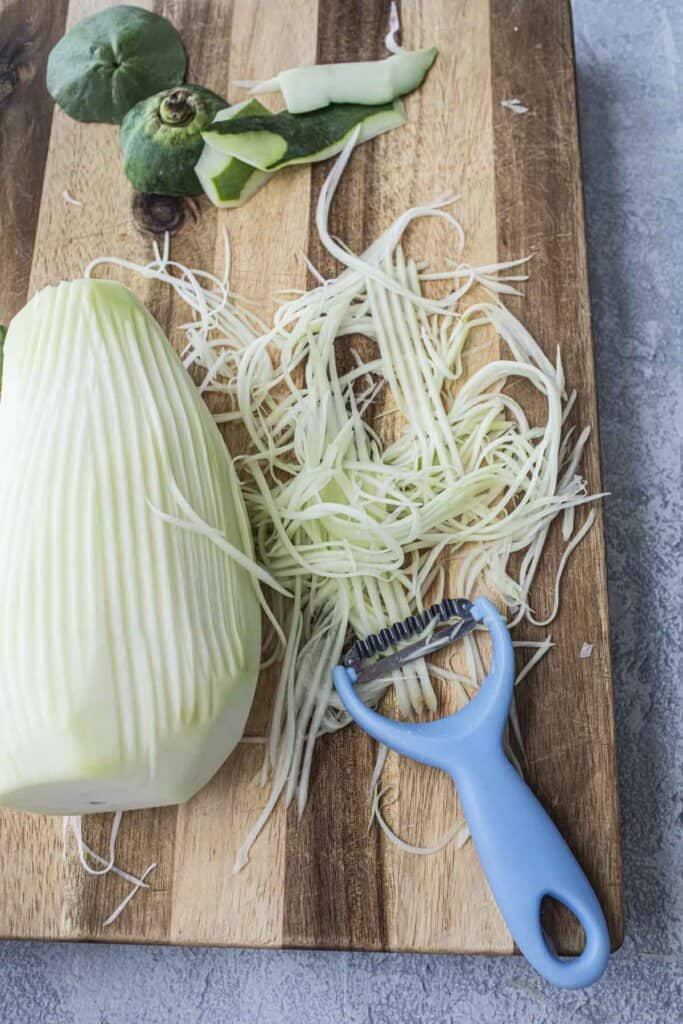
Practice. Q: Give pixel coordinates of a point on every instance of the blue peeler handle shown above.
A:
(521, 851)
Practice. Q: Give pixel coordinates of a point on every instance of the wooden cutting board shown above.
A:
(325, 880)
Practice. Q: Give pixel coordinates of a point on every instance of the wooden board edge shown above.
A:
(518, 140)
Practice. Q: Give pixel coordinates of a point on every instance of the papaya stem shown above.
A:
(176, 109)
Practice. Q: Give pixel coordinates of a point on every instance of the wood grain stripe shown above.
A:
(267, 237)
(539, 206)
(27, 34)
(26, 37)
(451, 151)
(152, 835)
(333, 870)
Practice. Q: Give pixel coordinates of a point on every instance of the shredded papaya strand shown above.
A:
(74, 823)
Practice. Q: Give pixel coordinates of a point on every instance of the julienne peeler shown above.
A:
(521, 851)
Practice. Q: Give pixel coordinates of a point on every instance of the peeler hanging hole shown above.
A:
(561, 927)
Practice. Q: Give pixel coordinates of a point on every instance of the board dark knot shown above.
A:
(156, 215)
(9, 79)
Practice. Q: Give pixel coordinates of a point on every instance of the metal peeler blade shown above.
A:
(395, 635)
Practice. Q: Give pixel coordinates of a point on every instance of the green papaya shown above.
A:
(161, 139)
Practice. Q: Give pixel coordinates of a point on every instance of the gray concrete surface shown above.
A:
(630, 66)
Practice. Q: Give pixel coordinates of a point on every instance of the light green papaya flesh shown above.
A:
(227, 181)
(368, 82)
